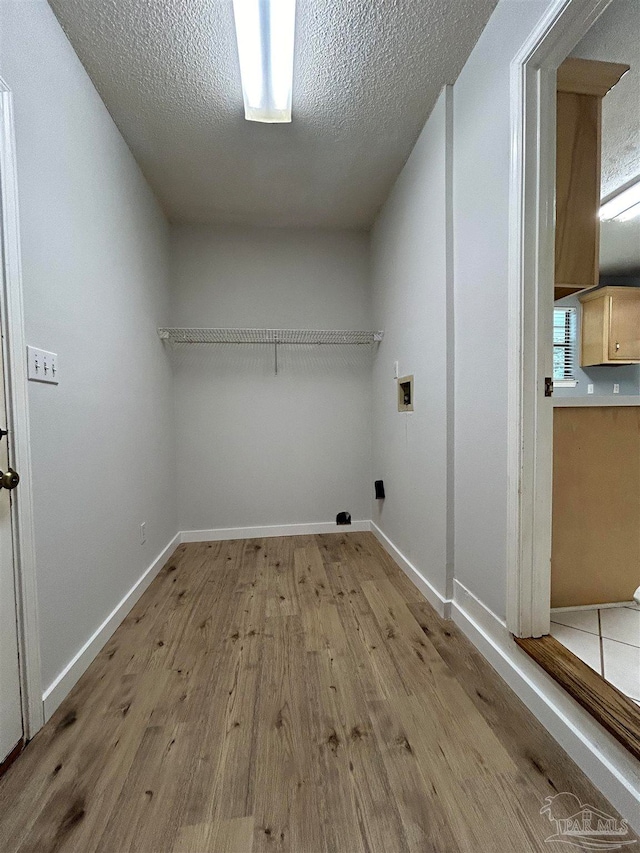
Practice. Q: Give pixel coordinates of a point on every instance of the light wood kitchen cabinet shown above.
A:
(610, 326)
(581, 86)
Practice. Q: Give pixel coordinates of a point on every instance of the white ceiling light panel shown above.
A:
(624, 205)
(265, 32)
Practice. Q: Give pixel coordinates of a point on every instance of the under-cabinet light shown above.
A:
(265, 31)
(624, 205)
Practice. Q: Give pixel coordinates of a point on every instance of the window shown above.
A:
(564, 344)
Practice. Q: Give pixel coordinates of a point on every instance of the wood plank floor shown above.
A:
(292, 694)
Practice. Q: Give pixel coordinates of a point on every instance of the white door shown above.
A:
(10, 705)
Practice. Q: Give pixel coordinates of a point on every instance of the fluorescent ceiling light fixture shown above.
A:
(265, 31)
(629, 213)
(624, 205)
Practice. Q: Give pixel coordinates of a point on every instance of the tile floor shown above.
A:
(606, 638)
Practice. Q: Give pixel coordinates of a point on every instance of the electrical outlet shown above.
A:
(42, 365)
(590, 388)
(616, 388)
(143, 532)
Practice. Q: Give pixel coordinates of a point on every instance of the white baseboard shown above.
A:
(61, 686)
(610, 767)
(222, 533)
(438, 602)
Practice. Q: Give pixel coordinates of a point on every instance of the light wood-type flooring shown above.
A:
(293, 694)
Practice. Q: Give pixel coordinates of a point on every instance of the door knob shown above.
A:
(9, 479)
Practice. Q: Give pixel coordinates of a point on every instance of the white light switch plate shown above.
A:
(42, 365)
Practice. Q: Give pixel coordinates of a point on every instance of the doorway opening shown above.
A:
(595, 556)
(537, 228)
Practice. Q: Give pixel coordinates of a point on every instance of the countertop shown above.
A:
(592, 400)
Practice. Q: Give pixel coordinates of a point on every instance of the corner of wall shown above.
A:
(62, 685)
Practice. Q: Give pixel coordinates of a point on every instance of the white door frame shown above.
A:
(14, 347)
(530, 297)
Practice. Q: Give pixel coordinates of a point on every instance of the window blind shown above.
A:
(564, 343)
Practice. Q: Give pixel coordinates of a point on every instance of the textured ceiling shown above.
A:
(366, 75)
(615, 37)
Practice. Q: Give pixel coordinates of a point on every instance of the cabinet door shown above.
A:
(624, 326)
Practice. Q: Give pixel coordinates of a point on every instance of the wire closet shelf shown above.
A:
(269, 336)
(275, 337)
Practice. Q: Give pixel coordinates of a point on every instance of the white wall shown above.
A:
(95, 252)
(411, 277)
(481, 246)
(254, 448)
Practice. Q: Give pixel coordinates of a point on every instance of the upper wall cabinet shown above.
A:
(582, 84)
(610, 326)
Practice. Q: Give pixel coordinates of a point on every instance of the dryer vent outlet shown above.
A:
(405, 394)
(343, 518)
